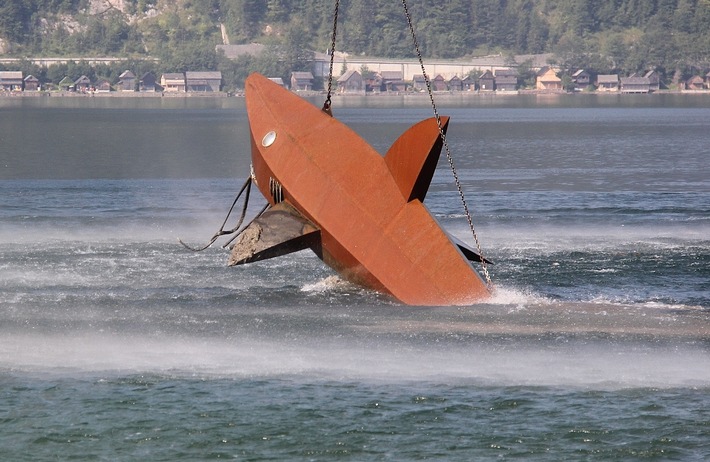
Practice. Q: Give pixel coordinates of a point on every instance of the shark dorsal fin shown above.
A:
(413, 157)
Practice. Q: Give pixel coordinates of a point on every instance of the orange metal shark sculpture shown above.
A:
(360, 212)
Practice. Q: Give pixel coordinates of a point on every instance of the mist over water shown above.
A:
(117, 343)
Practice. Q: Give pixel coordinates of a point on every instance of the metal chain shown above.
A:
(326, 106)
(446, 145)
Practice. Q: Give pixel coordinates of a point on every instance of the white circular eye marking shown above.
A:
(268, 139)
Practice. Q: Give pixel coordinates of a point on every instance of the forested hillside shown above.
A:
(672, 36)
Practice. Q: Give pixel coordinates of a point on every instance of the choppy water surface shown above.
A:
(118, 344)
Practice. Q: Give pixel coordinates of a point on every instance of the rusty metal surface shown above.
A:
(412, 158)
(370, 232)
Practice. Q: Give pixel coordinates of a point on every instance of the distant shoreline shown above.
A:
(118, 94)
(113, 94)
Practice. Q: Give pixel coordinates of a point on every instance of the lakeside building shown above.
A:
(635, 84)
(547, 80)
(582, 79)
(203, 81)
(419, 82)
(147, 83)
(486, 81)
(455, 83)
(103, 86)
(608, 82)
(126, 81)
(393, 81)
(506, 80)
(695, 83)
(173, 82)
(11, 80)
(654, 80)
(66, 84)
(31, 83)
(351, 82)
(301, 81)
(439, 83)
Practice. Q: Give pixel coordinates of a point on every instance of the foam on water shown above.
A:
(510, 296)
(597, 365)
(326, 284)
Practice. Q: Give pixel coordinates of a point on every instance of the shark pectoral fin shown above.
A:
(413, 157)
(278, 231)
(468, 252)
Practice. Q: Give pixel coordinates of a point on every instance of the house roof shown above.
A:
(419, 78)
(580, 72)
(302, 75)
(204, 75)
(608, 78)
(635, 81)
(8, 75)
(127, 75)
(277, 80)
(31, 78)
(486, 75)
(391, 75)
(505, 79)
(83, 80)
(506, 73)
(66, 81)
(345, 77)
(174, 76)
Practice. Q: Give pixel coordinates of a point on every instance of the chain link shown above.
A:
(327, 104)
(446, 145)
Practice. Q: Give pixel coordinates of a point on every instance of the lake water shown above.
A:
(116, 343)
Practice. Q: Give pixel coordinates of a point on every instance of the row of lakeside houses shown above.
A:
(547, 79)
(352, 82)
(507, 80)
(202, 82)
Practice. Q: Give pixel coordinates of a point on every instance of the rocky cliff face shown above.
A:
(102, 7)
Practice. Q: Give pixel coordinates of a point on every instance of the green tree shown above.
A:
(615, 50)
(526, 74)
(234, 72)
(567, 82)
(191, 56)
(56, 73)
(276, 10)
(356, 27)
(366, 72)
(13, 17)
(683, 16)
